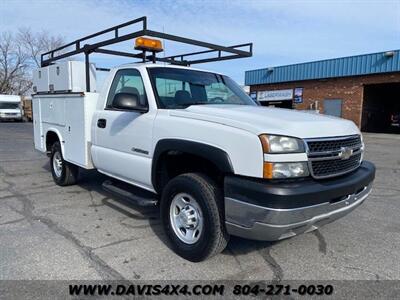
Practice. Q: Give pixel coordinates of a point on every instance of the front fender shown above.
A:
(215, 155)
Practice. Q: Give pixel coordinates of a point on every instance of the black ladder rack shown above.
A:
(186, 59)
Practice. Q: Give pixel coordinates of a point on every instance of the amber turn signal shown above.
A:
(264, 143)
(268, 170)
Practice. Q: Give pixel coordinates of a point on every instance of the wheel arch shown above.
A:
(52, 135)
(216, 156)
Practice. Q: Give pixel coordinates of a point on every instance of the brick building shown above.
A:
(362, 88)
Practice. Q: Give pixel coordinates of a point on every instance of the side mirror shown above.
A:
(127, 101)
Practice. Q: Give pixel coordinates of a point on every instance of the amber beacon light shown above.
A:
(147, 44)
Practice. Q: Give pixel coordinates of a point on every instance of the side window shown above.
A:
(127, 81)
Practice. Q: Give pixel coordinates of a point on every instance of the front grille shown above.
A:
(333, 145)
(327, 157)
(324, 168)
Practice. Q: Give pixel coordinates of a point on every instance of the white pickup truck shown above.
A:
(216, 166)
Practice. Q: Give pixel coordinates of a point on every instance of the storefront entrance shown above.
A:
(381, 108)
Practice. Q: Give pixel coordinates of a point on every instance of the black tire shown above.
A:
(213, 237)
(68, 174)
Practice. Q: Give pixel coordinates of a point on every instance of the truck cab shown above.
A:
(214, 161)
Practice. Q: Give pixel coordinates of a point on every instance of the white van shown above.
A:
(10, 107)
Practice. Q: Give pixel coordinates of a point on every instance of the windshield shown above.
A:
(9, 105)
(180, 88)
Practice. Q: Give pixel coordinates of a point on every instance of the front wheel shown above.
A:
(192, 213)
(64, 173)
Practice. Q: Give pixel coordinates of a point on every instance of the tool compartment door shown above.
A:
(52, 110)
(37, 125)
(77, 131)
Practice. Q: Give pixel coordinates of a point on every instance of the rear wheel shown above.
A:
(192, 213)
(64, 173)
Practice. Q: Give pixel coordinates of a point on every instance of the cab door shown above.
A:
(122, 144)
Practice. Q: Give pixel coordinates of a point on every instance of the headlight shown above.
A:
(281, 144)
(285, 170)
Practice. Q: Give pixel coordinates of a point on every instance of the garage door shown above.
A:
(333, 107)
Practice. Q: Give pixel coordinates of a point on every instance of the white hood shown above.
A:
(258, 119)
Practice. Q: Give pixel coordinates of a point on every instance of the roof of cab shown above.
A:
(162, 65)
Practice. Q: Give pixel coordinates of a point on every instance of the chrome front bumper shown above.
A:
(268, 224)
(270, 211)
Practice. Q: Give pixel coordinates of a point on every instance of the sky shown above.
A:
(283, 32)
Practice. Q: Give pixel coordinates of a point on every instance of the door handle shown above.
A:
(101, 123)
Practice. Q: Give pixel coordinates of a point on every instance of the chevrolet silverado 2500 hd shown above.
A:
(215, 162)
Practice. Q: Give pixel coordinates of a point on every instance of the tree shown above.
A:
(35, 44)
(13, 65)
(19, 55)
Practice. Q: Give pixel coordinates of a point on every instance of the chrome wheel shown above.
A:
(57, 164)
(186, 218)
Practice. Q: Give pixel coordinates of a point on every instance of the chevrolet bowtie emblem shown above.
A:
(345, 153)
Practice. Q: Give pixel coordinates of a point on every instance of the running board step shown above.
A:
(138, 196)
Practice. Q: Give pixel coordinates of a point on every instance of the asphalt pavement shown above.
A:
(82, 232)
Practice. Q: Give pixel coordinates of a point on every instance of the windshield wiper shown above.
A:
(191, 103)
(198, 103)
